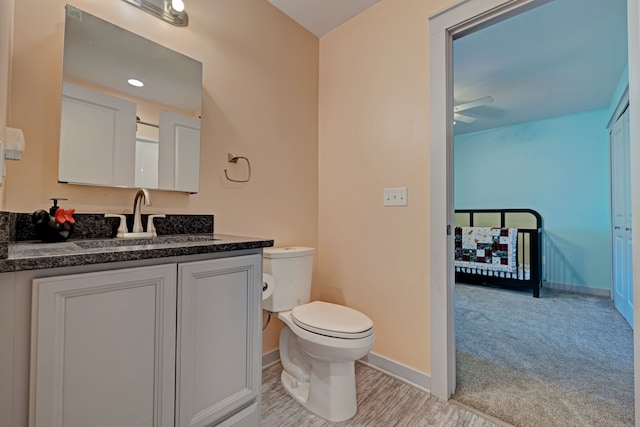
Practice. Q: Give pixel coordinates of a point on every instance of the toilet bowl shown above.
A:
(318, 369)
(319, 341)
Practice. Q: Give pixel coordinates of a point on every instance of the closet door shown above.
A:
(622, 284)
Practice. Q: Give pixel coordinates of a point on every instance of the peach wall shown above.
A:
(6, 298)
(262, 77)
(6, 38)
(373, 133)
(260, 100)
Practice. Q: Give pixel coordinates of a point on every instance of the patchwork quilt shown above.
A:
(486, 248)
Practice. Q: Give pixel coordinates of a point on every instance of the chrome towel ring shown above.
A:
(233, 158)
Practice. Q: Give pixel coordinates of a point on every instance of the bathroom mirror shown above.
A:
(119, 132)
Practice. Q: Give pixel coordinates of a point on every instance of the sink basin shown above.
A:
(132, 241)
(141, 235)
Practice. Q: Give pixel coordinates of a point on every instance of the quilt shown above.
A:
(486, 248)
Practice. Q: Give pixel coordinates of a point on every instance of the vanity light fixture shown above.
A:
(171, 11)
(135, 82)
(176, 7)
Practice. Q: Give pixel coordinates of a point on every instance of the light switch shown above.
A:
(395, 196)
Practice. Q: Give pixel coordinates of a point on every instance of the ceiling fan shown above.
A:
(467, 106)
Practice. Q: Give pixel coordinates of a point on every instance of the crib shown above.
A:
(521, 269)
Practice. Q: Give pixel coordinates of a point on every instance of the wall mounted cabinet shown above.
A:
(98, 138)
(97, 131)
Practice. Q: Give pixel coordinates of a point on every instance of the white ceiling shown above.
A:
(560, 58)
(563, 57)
(322, 16)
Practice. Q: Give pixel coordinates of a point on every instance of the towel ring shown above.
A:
(233, 158)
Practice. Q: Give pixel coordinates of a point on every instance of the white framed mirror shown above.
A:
(116, 134)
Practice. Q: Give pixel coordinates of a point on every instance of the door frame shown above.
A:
(461, 18)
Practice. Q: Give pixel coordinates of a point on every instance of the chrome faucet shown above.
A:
(137, 201)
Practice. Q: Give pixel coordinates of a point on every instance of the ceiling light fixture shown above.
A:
(171, 11)
(135, 82)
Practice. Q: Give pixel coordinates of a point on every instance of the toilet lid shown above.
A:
(332, 320)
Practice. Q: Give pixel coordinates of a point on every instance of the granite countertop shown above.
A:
(33, 255)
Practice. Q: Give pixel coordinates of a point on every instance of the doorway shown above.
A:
(455, 21)
(511, 151)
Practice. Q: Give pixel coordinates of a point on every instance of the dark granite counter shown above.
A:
(33, 255)
(94, 241)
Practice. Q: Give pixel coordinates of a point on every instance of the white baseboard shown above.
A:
(598, 292)
(270, 358)
(399, 371)
(390, 367)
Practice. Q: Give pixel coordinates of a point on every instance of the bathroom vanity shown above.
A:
(153, 332)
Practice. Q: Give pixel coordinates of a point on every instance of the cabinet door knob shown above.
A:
(627, 229)
(616, 228)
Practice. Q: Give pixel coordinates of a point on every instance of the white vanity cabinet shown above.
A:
(160, 345)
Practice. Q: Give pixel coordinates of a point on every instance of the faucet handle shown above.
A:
(122, 228)
(151, 228)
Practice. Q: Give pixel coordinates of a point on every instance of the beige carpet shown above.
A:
(560, 360)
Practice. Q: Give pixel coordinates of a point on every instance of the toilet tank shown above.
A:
(291, 268)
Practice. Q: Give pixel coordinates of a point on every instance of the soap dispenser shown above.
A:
(54, 208)
(55, 226)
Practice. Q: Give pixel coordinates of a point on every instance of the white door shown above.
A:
(105, 348)
(622, 276)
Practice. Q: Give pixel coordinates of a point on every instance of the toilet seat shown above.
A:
(332, 320)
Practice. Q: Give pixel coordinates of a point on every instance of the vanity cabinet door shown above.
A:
(105, 352)
(219, 339)
(248, 417)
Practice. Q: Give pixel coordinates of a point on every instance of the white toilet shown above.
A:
(319, 342)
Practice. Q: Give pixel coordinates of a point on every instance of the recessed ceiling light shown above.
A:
(135, 82)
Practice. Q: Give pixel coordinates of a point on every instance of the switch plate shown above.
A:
(395, 196)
